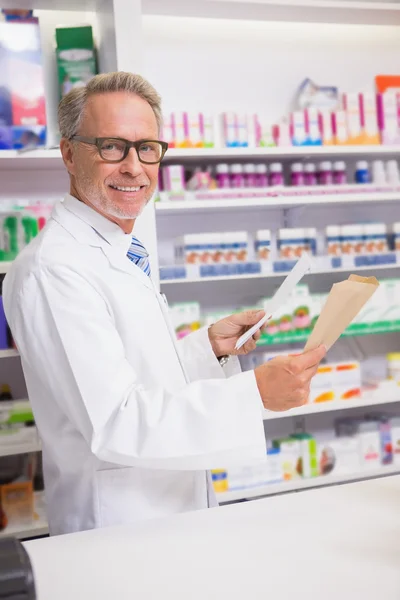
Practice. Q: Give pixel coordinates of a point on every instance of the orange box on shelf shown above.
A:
(347, 380)
(17, 502)
(322, 385)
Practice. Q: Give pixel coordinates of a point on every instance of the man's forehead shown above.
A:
(119, 114)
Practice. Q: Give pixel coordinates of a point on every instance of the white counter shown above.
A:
(340, 543)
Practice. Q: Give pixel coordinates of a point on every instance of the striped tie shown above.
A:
(138, 254)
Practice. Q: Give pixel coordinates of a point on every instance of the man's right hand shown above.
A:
(284, 381)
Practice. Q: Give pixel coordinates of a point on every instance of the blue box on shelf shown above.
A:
(284, 266)
(374, 260)
(174, 272)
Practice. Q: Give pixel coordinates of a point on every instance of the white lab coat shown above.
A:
(130, 419)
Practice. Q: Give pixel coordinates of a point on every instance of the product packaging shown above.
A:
(326, 127)
(181, 129)
(313, 128)
(370, 445)
(338, 455)
(333, 240)
(298, 128)
(369, 119)
(339, 123)
(388, 88)
(173, 179)
(168, 130)
(352, 107)
(263, 244)
(229, 129)
(17, 503)
(207, 131)
(352, 239)
(291, 455)
(76, 58)
(308, 466)
(219, 479)
(22, 97)
(395, 428)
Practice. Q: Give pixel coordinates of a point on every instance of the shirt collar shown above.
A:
(104, 228)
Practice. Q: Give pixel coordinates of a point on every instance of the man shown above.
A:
(130, 420)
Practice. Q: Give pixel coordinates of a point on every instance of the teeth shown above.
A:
(126, 189)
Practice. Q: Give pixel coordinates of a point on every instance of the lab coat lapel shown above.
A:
(122, 263)
(86, 234)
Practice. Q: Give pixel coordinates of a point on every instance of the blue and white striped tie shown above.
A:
(138, 254)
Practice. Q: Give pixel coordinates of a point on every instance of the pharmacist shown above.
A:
(130, 420)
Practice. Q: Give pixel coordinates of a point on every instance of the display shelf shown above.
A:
(31, 159)
(52, 4)
(19, 448)
(38, 527)
(277, 269)
(301, 11)
(304, 484)
(354, 330)
(204, 154)
(188, 206)
(50, 158)
(9, 353)
(365, 401)
(4, 266)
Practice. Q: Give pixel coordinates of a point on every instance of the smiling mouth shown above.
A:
(126, 189)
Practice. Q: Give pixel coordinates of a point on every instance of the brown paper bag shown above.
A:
(343, 304)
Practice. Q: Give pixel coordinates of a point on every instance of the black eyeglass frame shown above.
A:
(128, 145)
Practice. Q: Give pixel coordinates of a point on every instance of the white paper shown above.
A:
(282, 294)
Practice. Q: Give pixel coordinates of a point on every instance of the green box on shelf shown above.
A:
(76, 57)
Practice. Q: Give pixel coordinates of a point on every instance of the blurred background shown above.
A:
(283, 124)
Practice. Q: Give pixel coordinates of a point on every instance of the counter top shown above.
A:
(336, 543)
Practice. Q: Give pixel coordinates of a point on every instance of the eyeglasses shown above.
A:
(115, 150)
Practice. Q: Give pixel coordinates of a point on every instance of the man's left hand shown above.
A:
(225, 333)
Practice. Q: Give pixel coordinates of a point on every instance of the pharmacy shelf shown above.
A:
(179, 207)
(262, 275)
(301, 11)
(12, 447)
(8, 353)
(39, 527)
(13, 450)
(4, 266)
(354, 330)
(31, 159)
(204, 154)
(50, 158)
(315, 408)
(305, 484)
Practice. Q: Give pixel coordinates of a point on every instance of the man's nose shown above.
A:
(131, 164)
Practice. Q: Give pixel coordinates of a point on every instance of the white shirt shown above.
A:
(130, 420)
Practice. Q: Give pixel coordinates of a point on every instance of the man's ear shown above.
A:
(67, 154)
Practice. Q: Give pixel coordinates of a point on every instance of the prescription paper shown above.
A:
(281, 296)
(343, 304)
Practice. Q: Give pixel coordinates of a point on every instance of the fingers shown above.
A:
(307, 360)
(249, 317)
(249, 346)
(257, 335)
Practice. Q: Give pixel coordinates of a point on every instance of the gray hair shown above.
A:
(72, 106)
